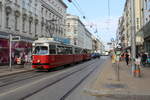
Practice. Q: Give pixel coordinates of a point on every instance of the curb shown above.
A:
(105, 92)
(15, 72)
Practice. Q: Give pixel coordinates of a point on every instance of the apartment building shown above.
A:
(76, 31)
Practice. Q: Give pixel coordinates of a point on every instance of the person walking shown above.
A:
(137, 65)
(127, 58)
(143, 59)
(113, 58)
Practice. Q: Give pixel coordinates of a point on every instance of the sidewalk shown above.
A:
(106, 84)
(5, 70)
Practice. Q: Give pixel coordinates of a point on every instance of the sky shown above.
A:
(97, 15)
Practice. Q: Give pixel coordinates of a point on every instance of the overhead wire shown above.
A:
(78, 7)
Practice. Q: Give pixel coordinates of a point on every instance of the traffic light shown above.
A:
(70, 0)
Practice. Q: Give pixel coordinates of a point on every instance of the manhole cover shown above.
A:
(115, 86)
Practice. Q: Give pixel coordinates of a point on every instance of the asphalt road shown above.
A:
(65, 84)
(58, 90)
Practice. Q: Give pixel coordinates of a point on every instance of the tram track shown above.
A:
(52, 80)
(66, 76)
(11, 79)
(75, 86)
(14, 79)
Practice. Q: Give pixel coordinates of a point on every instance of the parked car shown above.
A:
(95, 55)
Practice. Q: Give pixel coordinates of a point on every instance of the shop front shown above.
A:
(4, 51)
(19, 49)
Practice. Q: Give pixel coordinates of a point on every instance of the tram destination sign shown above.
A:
(15, 38)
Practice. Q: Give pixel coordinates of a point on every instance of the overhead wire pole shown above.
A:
(108, 8)
(108, 14)
(133, 41)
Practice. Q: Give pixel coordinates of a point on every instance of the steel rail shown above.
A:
(56, 81)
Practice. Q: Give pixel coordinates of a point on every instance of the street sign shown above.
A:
(15, 38)
(109, 43)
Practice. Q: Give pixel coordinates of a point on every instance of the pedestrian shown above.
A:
(122, 56)
(18, 60)
(25, 60)
(138, 60)
(144, 59)
(113, 58)
(137, 71)
(127, 58)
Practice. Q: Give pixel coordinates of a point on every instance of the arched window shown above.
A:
(8, 11)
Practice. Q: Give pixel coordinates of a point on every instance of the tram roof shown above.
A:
(50, 40)
(45, 40)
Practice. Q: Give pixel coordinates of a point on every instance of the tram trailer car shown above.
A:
(48, 54)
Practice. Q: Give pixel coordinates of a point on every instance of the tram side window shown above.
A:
(60, 50)
(52, 49)
(68, 50)
(78, 51)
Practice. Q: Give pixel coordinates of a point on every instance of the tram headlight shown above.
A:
(38, 61)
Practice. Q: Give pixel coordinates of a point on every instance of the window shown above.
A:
(30, 24)
(7, 20)
(145, 4)
(52, 49)
(61, 50)
(36, 2)
(23, 25)
(16, 23)
(68, 50)
(42, 11)
(40, 50)
(35, 28)
(23, 3)
(78, 50)
(16, 1)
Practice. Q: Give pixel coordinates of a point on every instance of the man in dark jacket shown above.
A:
(143, 59)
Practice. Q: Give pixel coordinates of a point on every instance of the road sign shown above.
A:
(109, 43)
(15, 38)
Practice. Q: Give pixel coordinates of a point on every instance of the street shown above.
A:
(64, 84)
(74, 50)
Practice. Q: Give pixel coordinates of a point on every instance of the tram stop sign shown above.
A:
(15, 38)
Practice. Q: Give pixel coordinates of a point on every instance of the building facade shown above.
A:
(146, 25)
(125, 26)
(29, 19)
(53, 16)
(76, 31)
(97, 45)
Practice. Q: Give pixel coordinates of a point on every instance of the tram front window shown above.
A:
(40, 50)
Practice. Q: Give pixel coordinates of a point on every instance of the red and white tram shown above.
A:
(48, 54)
